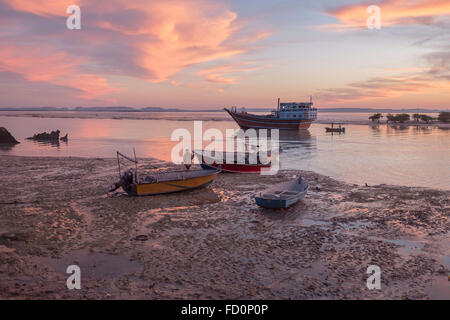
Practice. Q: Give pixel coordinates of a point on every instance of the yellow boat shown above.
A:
(161, 182)
(166, 182)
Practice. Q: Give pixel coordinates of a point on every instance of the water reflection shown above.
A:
(50, 143)
(376, 130)
(299, 139)
(422, 129)
(399, 127)
(295, 135)
(7, 146)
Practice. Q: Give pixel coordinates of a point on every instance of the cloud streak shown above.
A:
(228, 73)
(393, 12)
(386, 87)
(53, 67)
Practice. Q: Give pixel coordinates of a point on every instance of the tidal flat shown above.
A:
(215, 243)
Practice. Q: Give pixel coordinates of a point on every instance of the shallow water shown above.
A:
(401, 155)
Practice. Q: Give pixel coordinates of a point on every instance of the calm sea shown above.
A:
(401, 155)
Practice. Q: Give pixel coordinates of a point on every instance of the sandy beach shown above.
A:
(214, 243)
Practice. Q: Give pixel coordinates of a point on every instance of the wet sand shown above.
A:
(214, 243)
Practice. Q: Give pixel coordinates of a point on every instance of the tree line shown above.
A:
(404, 117)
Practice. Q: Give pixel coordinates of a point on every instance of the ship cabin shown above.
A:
(296, 110)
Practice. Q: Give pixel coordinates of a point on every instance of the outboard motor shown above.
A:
(125, 181)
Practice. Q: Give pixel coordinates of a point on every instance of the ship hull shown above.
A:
(235, 168)
(250, 121)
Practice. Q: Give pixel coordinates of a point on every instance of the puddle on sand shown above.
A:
(446, 262)
(318, 270)
(439, 289)
(94, 266)
(408, 245)
(311, 222)
(356, 225)
(405, 246)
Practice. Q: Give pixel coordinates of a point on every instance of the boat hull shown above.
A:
(271, 204)
(150, 189)
(249, 121)
(283, 195)
(338, 130)
(235, 168)
(277, 203)
(208, 163)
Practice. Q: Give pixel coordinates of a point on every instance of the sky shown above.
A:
(207, 54)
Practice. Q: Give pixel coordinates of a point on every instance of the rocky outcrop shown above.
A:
(52, 136)
(6, 137)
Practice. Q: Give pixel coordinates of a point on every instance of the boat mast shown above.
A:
(278, 106)
(135, 163)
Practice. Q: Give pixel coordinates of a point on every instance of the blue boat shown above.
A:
(283, 195)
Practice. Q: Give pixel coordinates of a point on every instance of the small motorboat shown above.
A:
(339, 129)
(283, 195)
(161, 182)
(240, 162)
(164, 182)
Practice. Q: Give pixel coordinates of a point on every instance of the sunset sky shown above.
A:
(200, 54)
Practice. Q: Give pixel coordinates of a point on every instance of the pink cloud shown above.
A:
(227, 74)
(42, 7)
(393, 12)
(165, 36)
(54, 67)
(384, 87)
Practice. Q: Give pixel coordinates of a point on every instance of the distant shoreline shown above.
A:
(175, 110)
(149, 116)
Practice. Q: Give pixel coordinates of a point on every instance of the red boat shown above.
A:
(234, 166)
(288, 116)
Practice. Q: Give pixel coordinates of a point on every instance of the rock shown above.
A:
(52, 136)
(6, 137)
(141, 237)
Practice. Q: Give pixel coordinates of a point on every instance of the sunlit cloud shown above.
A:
(132, 50)
(393, 12)
(163, 37)
(440, 64)
(228, 73)
(54, 67)
(400, 81)
(42, 7)
(383, 87)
